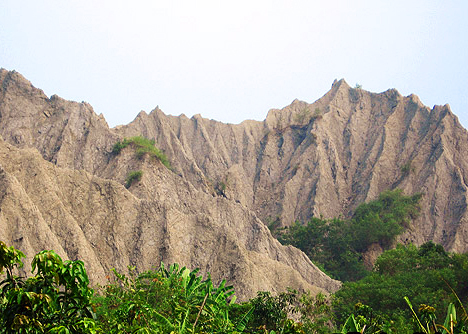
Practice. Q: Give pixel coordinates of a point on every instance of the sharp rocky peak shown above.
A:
(306, 159)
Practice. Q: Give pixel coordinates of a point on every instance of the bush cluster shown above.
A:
(143, 146)
(336, 245)
(427, 275)
(56, 299)
(133, 176)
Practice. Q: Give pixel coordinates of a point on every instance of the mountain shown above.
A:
(63, 188)
(325, 158)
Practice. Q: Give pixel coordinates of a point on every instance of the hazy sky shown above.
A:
(234, 60)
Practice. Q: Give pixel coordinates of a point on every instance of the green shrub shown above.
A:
(407, 168)
(274, 224)
(305, 115)
(168, 300)
(120, 145)
(56, 299)
(426, 275)
(134, 176)
(143, 146)
(290, 312)
(220, 188)
(172, 299)
(317, 113)
(384, 219)
(337, 244)
(302, 115)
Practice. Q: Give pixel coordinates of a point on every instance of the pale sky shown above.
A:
(234, 60)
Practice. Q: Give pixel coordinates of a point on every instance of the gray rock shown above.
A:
(62, 189)
(319, 159)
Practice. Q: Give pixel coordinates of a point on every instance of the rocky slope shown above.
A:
(306, 159)
(328, 157)
(63, 204)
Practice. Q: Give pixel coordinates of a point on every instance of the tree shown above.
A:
(425, 275)
(167, 300)
(336, 245)
(56, 299)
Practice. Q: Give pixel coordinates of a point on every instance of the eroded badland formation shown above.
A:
(62, 188)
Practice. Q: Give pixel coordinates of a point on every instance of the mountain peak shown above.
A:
(224, 182)
(338, 83)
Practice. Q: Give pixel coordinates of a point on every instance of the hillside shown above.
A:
(62, 187)
(325, 158)
(70, 197)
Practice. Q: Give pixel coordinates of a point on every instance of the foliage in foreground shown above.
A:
(56, 299)
(176, 300)
(168, 300)
(428, 276)
(290, 312)
(337, 245)
(143, 146)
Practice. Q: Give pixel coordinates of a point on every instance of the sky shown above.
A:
(235, 60)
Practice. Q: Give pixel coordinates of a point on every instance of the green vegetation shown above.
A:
(302, 115)
(305, 115)
(273, 224)
(172, 300)
(426, 322)
(337, 244)
(407, 168)
(290, 312)
(133, 176)
(143, 147)
(57, 299)
(428, 276)
(166, 300)
(220, 188)
(317, 113)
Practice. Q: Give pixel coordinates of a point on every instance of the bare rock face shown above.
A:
(62, 188)
(325, 158)
(69, 134)
(82, 216)
(69, 197)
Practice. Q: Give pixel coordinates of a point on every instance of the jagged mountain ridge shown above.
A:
(350, 146)
(60, 188)
(305, 159)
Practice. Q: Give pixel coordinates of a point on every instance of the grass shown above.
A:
(407, 168)
(302, 115)
(143, 146)
(306, 115)
(133, 176)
